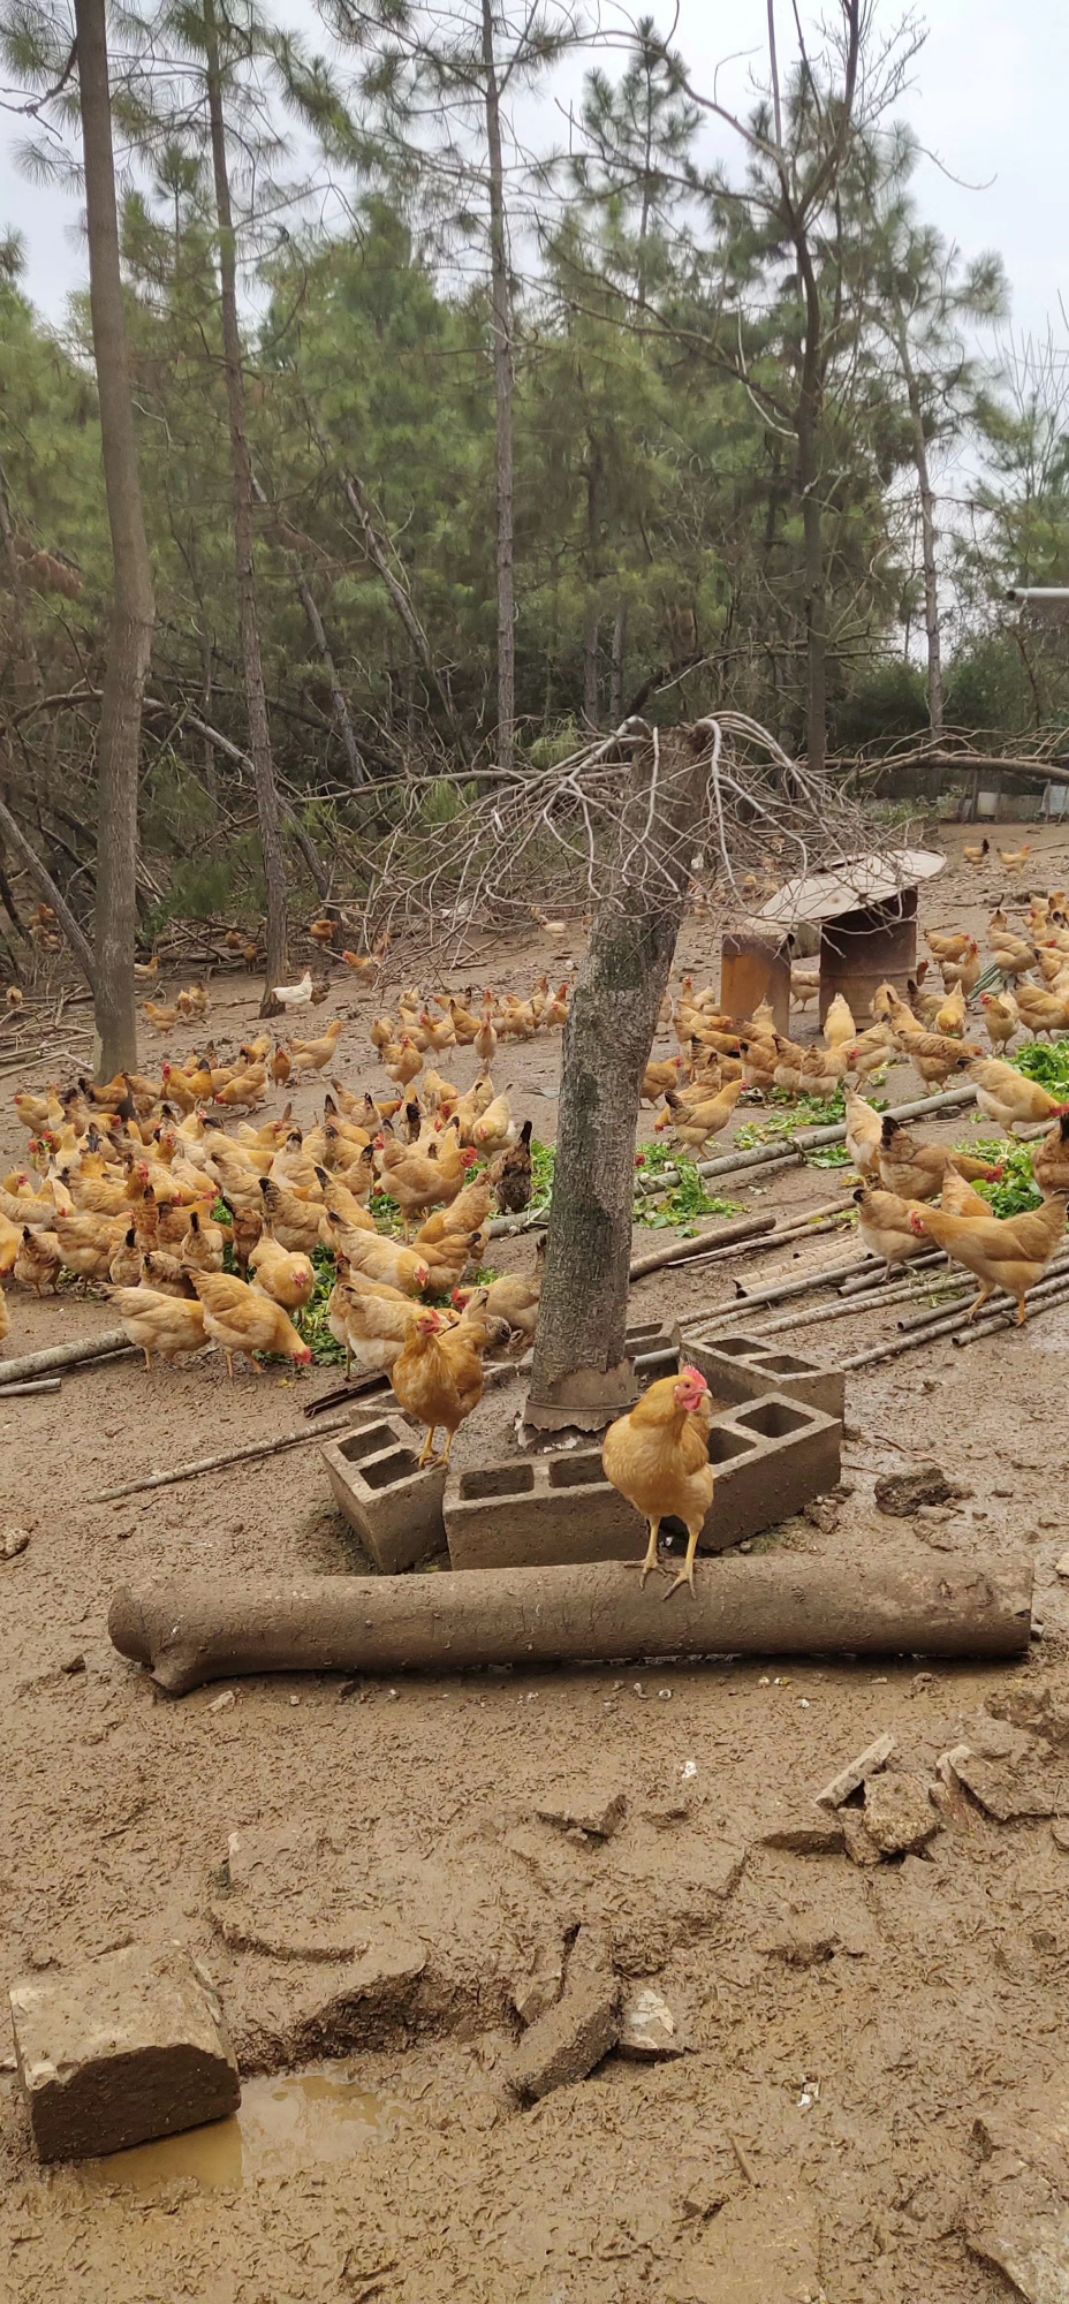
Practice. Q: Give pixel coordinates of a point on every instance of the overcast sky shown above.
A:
(988, 100)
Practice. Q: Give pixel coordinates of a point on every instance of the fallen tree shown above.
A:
(903, 1603)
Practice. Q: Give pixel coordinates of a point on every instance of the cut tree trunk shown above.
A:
(580, 1372)
(504, 378)
(268, 807)
(133, 609)
(798, 1605)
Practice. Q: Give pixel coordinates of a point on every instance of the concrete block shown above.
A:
(739, 1367)
(771, 1456)
(395, 1508)
(119, 2051)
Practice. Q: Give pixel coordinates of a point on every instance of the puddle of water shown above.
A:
(287, 2124)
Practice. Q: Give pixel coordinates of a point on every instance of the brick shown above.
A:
(596, 1808)
(738, 1367)
(120, 2051)
(395, 1508)
(770, 1456)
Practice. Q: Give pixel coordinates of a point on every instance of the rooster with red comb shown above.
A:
(658, 1457)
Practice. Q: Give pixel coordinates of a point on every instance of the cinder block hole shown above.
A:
(784, 1364)
(734, 1347)
(497, 1480)
(723, 1446)
(400, 1464)
(774, 1420)
(576, 1471)
(638, 1339)
(367, 1442)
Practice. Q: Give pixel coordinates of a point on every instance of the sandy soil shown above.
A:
(844, 2027)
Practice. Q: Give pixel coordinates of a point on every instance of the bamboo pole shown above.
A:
(1045, 1298)
(112, 1342)
(200, 1464)
(852, 1308)
(22, 1391)
(726, 1237)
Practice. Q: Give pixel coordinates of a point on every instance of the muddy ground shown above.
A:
(844, 2027)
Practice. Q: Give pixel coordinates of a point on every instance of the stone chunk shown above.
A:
(648, 2029)
(565, 2044)
(860, 1845)
(856, 1773)
(899, 1814)
(119, 2051)
(903, 1493)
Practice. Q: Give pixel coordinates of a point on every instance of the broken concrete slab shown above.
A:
(597, 1808)
(566, 2043)
(898, 1813)
(1008, 1793)
(648, 2029)
(816, 1834)
(119, 2051)
(857, 1772)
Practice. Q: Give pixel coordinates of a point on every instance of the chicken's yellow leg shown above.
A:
(427, 1450)
(650, 1563)
(974, 1307)
(686, 1573)
(449, 1439)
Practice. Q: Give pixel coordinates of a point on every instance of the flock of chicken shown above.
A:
(204, 1233)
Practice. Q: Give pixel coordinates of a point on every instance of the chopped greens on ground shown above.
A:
(1018, 1189)
(682, 1197)
(1046, 1061)
(311, 1322)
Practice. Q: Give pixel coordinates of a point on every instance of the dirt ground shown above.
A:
(844, 2028)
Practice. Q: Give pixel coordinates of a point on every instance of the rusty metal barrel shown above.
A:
(860, 950)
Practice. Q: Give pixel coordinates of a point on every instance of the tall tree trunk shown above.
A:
(580, 1375)
(591, 699)
(339, 706)
(268, 809)
(501, 305)
(928, 536)
(28, 681)
(808, 425)
(133, 610)
(618, 665)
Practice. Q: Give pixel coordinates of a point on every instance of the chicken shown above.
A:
(657, 1457)
(438, 1377)
(243, 1090)
(694, 1124)
(10, 1236)
(1013, 957)
(934, 1056)
(1007, 1097)
(342, 1200)
(39, 1261)
(510, 1175)
(377, 1257)
(884, 1228)
(871, 1052)
(510, 1298)
(1001, 1016)
(659, 1078)
(467, 1213)
(421, 1180)
(125, 1268)
(5, 1318)
(1014, 859)
(805, 985)
(950, 1014)
(369, 1320)
(1009, 1252)
(161, 1019)
(297, 1224)
(1050, 1160)
(943, 947)
(863, 1132)
(965, 972)
(87, 1242)
(192, 1001)
(447, 1260)
(960, 1198)
(162, 1326)
(289, 1280)
(297, 995)
(977, 855)
(147, 971)
(160, 1269)
(839, 1025)
(1042, 1011)
(916, 1171)
(402, 1062)
(203, 1243)
(315, 1055)
(242, 1321)
(495, 1129)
